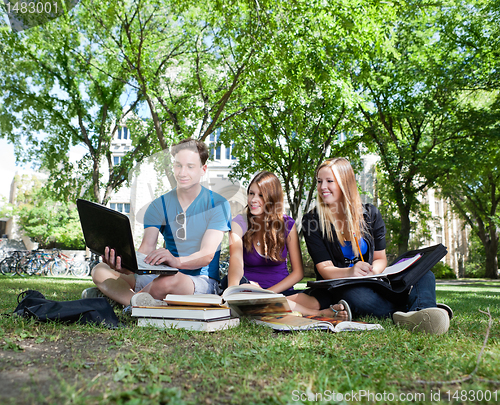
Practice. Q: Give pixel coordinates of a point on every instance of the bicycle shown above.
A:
(8, 266)
(43, 259)
(58, 267)
(32, 263)
(78, 268)
(94, 260)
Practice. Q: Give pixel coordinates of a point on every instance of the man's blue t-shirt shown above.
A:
(209, 210)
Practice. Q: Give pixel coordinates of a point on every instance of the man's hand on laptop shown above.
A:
(114, 261)
(163, 256)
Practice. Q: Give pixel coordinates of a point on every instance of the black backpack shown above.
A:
(33, 304)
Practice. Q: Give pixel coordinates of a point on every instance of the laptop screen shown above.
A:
(103, 227)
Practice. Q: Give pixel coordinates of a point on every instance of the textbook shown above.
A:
(395, 268)
(297, 323)
(244, 299)
(198, 300)
(403, 273)
(248, 300)
(196, 325)
(182, 312)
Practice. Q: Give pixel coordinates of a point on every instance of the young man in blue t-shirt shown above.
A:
(192, 221)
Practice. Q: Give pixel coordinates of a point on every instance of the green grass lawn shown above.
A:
(250, 364)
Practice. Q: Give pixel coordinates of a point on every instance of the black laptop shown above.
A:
(103, 227)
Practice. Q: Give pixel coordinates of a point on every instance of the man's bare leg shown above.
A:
(179, 283)
(117, 286)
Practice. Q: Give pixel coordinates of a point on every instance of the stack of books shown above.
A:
(192, 312)
(211, 312)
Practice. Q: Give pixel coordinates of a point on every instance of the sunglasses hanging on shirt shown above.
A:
(180, 233)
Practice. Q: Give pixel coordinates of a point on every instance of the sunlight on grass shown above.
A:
(247, 364)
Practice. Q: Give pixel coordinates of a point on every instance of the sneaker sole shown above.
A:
(434, 321)
(446, 308)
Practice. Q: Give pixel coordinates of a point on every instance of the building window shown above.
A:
(117, 160)
(123, 133)
(124, 208)
(437, 206)
(214, 149)
(439, 235)
(229, 152)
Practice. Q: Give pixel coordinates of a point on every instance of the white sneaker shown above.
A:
(429, 320)
(94, 292)
(144, 299)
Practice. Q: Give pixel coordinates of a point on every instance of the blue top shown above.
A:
(209, 210)
(349, 257)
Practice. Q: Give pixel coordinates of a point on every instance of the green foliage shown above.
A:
(475, 264)
(6, 209)
(49, 223)
(60, 92)
(472, 186)
(409, 109)
(299, 101)
(443, 271)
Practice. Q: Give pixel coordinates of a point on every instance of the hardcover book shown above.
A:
(203, 326)
(182, 312)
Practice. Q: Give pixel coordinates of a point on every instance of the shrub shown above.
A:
(475, 265)
(442, 271)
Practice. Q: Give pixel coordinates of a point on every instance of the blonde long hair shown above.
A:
(274, 223)
(351, 205)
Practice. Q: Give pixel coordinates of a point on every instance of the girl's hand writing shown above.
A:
(361, 269)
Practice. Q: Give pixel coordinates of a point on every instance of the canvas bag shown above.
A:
(33, 304)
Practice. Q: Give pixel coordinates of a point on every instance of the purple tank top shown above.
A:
(260, 269)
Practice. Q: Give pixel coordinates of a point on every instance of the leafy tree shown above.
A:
(52, 224)
(185, 58)
(472, 28)
(55, 97)
(300, 95)
(409, 114)
(47, 222)
(473, 186)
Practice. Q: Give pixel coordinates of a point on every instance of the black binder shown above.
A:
(399, 282)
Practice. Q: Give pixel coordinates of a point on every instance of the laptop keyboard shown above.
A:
(142, 265)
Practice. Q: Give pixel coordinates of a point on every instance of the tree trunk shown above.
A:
(491, 250)
(404, 231)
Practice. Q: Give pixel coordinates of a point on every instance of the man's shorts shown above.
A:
(202, 284)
